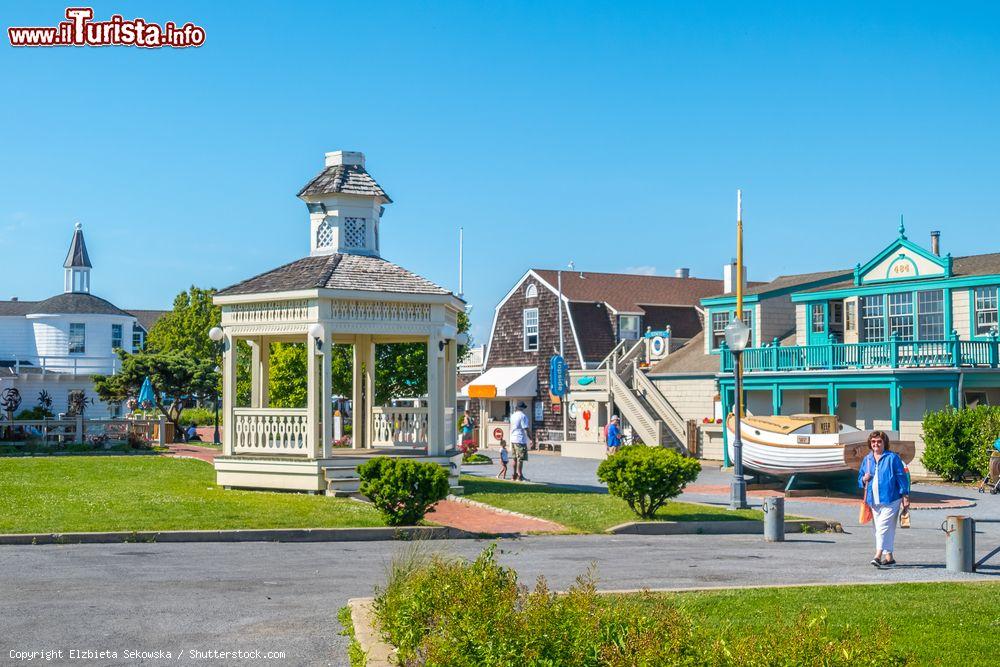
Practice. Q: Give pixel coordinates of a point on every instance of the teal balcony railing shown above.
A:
(893, 353)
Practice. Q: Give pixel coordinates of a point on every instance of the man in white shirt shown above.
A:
(519, 439)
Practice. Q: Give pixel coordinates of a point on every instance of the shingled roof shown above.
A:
(147, 318)
(970, 265)
(337, 271)
(77, 256)
(76, 303)
(628, 293)
(349, 179)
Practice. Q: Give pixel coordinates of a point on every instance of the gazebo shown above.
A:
(342, 293)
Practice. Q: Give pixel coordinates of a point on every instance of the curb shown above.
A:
(377, 652)
(256, 535)
(742, 527)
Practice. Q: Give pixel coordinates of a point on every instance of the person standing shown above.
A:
(519, 439)
(887, 487)
(613, 440)
(504, 459)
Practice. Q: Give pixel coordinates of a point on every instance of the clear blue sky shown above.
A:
(613, 134)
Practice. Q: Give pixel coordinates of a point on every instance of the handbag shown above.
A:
(865, 511)
(904, 518)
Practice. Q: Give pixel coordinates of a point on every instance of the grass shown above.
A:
(141, 493)
(355, 654)
(584, 511)
(937, 624)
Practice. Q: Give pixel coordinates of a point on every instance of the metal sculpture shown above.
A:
(78, 402)
(45, 400)
(10, 400)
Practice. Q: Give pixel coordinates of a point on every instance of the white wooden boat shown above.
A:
(805, 443)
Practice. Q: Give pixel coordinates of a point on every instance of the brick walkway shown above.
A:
(192, 451)
(477, 519)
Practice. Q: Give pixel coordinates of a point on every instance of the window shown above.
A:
(986, 310)
(530, 329)
(850, 315)
(930, 315)
(719, 322)
(628, 327)
(818, 324)
(354, 232)
(77, 338)
(873, 318)
(531, 292)
(116, 336)
(901, 315)
(138, 338)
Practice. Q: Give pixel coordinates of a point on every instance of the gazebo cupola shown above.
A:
(76, 268)
(345, 207)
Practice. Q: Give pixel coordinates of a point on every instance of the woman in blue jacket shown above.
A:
(887, 486)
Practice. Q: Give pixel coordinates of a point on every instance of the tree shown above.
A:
(287, 382)
(647, 477)
(185, 329)
(175, 376)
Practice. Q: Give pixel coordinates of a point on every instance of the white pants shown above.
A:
(884, 517)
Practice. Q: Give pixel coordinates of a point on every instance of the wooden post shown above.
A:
(435, 404)
(326, 394)
(313, 391)
(360, 414)
(369, 378)
(451, 391)
(81, 436)
(228, 395)
(162, 440)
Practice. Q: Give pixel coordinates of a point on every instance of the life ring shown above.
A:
(657, 346)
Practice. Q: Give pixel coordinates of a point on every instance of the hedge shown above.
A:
(957, 442)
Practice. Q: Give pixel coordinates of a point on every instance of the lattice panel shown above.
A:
(381, 311)
(324, 235)
(267, 311)
(354, 232)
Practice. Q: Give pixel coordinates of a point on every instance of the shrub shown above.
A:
(402, 489)
(959, 441)
(443, 611)
(199, 417)
(647, 477)
(37, 412)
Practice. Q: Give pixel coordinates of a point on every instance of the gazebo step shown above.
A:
(340, 472)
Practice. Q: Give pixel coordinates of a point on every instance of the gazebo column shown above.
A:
(260, 371)
(228, 395)
(314, 389)
(363, 390)
(435, 397)
(451, 392)
(326, 378)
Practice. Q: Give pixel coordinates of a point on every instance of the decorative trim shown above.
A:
(295, 310)
(380, 311)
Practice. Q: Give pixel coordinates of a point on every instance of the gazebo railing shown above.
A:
(282, 431)
(399, 427)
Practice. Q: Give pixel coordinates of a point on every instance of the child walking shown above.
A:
(504, 458)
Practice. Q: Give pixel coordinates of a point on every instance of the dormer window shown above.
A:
(354, 232)
(531, 292)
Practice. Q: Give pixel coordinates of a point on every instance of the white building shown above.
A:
(56, 345)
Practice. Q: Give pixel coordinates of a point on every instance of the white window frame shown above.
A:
(530, 330)
(121, 336)
(877, 302)
(81, 328)
(931, 319)
(531, 291)
(622, 330)
(138, 338)
(984, 303)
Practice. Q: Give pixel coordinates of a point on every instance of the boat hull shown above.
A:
(783, 455)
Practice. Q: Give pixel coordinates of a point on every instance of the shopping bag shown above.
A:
(904, 518)
(864, 513)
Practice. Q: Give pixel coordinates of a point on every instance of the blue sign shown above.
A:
(557, 376)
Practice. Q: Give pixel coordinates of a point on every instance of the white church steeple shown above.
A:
(77, 265)
(345, 207)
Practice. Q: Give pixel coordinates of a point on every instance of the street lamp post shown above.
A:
(737, 337)
(216, 334)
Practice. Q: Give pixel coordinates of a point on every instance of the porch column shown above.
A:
(260, 371)
(775, 400)
(435, 397)
(313, 390)
(228, 394)
(895, 398)
(451, 392)
(360, 414)
(326, 394)
(831, 398)
(369, 379)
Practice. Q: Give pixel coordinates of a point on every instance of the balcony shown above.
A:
(890, 354)
(66, 364)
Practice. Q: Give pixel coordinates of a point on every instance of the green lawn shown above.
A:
(125, 493)
(947, 624)
(588, 512)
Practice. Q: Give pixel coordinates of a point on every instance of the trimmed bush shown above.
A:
(402, 489)
(441, 611)
(199, 417)
(959, 441)
(647, 477)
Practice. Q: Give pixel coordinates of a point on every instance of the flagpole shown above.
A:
(739, 286)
